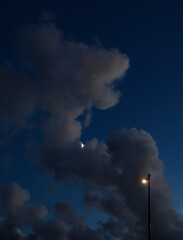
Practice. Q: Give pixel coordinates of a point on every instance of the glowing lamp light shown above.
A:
(144, 181)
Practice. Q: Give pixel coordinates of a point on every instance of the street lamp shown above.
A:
(147, 180)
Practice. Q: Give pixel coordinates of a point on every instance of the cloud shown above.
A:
(64, 225)
(83, 233)
(62, 78)
(14, 207)
(16, 213)
(10, 231)
(67, 213)
(112, 172)
(52, 229)
(70, 78)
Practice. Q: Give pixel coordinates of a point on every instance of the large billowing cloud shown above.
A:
(70, 78)
(111, 172)
(62, 78)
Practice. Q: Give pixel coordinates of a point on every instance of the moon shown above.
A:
(82, 145)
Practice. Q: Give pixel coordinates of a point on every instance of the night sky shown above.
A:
(90, 103)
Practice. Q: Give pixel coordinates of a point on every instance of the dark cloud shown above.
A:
(59, 230)
(32, 236)
(113, 229)
(83, 233)
(73, 162)
(113, 172)
(10, 230)
(62, 78)
(15, 208)
(53, 229)
(67, 213)
(59, 77)
(16, 213)
(70, 78)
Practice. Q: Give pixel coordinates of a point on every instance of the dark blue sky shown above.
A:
(150, 33)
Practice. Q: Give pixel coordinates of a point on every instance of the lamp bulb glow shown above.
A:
(144, 181)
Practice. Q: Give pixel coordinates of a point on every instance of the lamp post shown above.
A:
(148, 181)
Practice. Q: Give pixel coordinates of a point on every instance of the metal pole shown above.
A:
(149, 207)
